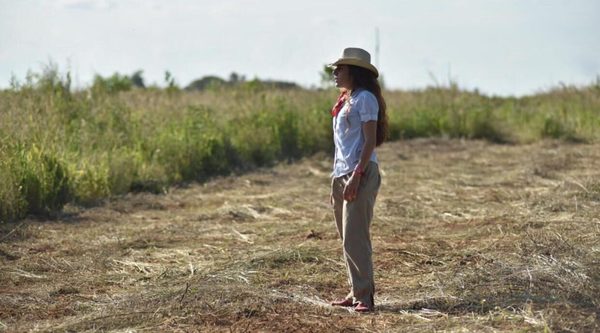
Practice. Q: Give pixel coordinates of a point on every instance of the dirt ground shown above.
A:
(467, 236)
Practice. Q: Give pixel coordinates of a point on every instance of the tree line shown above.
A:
(122, 82)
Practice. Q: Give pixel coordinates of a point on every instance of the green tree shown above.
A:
(137, 79)
(112, 84)
(170, 81)
(326, 76)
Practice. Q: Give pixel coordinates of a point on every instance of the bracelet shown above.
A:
(358, 170)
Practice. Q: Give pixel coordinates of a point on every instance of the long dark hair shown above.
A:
(365, 79)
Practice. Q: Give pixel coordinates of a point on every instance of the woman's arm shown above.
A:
(369, 130)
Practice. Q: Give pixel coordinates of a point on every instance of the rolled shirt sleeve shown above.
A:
(368, 108)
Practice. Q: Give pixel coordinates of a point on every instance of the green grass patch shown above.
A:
(60, 145)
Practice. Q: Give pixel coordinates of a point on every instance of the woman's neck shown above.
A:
(352, 91)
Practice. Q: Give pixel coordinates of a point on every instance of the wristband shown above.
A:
(358, 170)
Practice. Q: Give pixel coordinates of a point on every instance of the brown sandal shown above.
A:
(362, 307)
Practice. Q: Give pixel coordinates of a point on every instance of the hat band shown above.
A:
(357, 62)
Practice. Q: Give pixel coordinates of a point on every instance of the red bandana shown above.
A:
(339, 104)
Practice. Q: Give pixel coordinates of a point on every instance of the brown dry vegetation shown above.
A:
(468, 236)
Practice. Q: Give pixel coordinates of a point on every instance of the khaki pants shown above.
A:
(353, 219)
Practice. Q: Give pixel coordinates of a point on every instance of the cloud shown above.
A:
(589, 66)
(87, 4)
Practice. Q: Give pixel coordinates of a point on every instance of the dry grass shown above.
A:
(468, 236)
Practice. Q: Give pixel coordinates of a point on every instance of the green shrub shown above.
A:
(112, 84)
(254, 138)
(91, 181)
(34, 181)
(418, 123)
(483, 125)
(12, 203)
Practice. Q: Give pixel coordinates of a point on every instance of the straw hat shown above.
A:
(356, 57)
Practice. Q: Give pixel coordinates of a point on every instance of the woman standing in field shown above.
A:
(359, 125)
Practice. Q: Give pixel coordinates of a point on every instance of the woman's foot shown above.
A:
(362, 307)
(344, 302)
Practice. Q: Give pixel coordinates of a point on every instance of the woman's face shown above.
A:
(341, 76)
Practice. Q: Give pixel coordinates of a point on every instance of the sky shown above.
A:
(500, 47)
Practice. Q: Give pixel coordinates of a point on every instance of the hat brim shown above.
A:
(356, 62)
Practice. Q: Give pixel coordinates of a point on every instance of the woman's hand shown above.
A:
(351, 188)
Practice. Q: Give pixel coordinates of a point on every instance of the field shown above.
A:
(468, 235)
(168, 210)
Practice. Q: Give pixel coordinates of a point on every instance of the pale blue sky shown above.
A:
(499, 46)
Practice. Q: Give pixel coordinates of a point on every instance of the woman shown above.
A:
(359, 125)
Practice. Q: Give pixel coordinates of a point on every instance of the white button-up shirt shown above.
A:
(348, 136)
